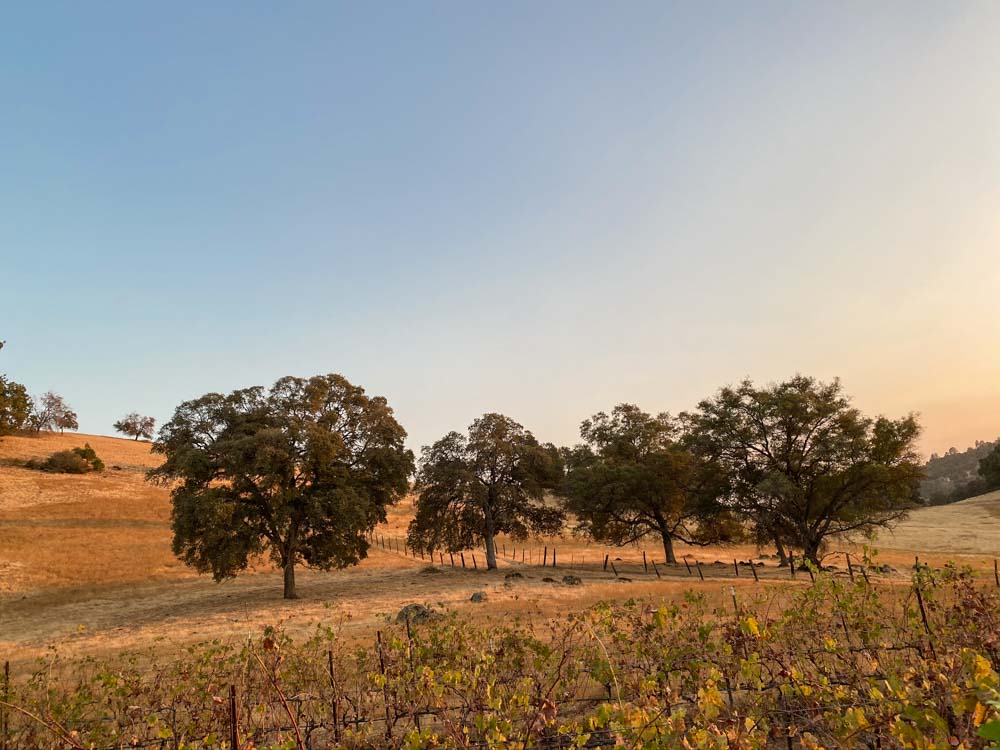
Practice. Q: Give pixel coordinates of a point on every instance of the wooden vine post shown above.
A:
(335, 703)
(4, 726)
(385, 685)
(234, 731)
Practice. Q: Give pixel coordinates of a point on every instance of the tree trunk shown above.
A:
(489, 531)
(290, 578)
(137, 438)
(491, 553)
(811, 551)
(782, 555)
(668, 548)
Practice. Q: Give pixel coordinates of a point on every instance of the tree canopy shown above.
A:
(51, 412)
(804, 464)
(136, 426)
(989, 469)
(631, 477)
(301, 472)
(492, 481)
(15, 406)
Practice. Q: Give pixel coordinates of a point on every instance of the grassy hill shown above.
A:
(69, 530)
(968, 527)
(85, 562)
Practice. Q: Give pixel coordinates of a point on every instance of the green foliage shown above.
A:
(76, 461)
(956, 475)
(989, 469)
(136, 426)
(301, 472)
(492, 482)
(15, 406)
(804, 464)
(836, 665)
(632, 477)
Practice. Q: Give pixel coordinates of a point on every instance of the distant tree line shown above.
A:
(958, 475)
(20, 412)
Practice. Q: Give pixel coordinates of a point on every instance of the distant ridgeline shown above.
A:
(955, 476)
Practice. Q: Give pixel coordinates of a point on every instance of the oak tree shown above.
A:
(989, 469)
(804, 464)
(492, 481)
(136, 426)
(631, 477)
(51, 412)
(15, 406)
(301, 472)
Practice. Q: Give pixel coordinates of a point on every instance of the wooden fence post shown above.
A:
(700, 574)
(996, 572)
(545, 559)
(686, 565)
(474, 565)
(645, 568)
(4, 725)
(614, 570)
(462, 555)
(385, 685)
(234, 732)
(553, 557)
(753, 569)
(335, 704)
(656, 570)
(850, 568)
(452, 557)
(736, 567)
(606, 562)
(923, 616)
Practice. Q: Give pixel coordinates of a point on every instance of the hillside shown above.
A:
(946, 475)
(968, 527)
(85, 562)
(61, 530)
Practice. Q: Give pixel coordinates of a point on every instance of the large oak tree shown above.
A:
(301, 472)
(493, 481)
(804, 464)
(631, 478)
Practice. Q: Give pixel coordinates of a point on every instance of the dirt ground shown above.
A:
(86, 566)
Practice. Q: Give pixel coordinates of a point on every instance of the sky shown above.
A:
(542, 209)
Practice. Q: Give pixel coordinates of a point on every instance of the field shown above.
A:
(113, 643)
(85, 564)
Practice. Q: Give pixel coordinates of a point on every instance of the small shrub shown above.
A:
(76, 461)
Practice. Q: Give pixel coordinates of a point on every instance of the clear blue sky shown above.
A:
(537, 208)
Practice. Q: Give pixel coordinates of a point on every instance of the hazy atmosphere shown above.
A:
(539, 209)
(500, 375)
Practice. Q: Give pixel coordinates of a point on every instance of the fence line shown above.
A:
(547, 558)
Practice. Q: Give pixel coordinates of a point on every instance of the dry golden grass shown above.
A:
(85, 563)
